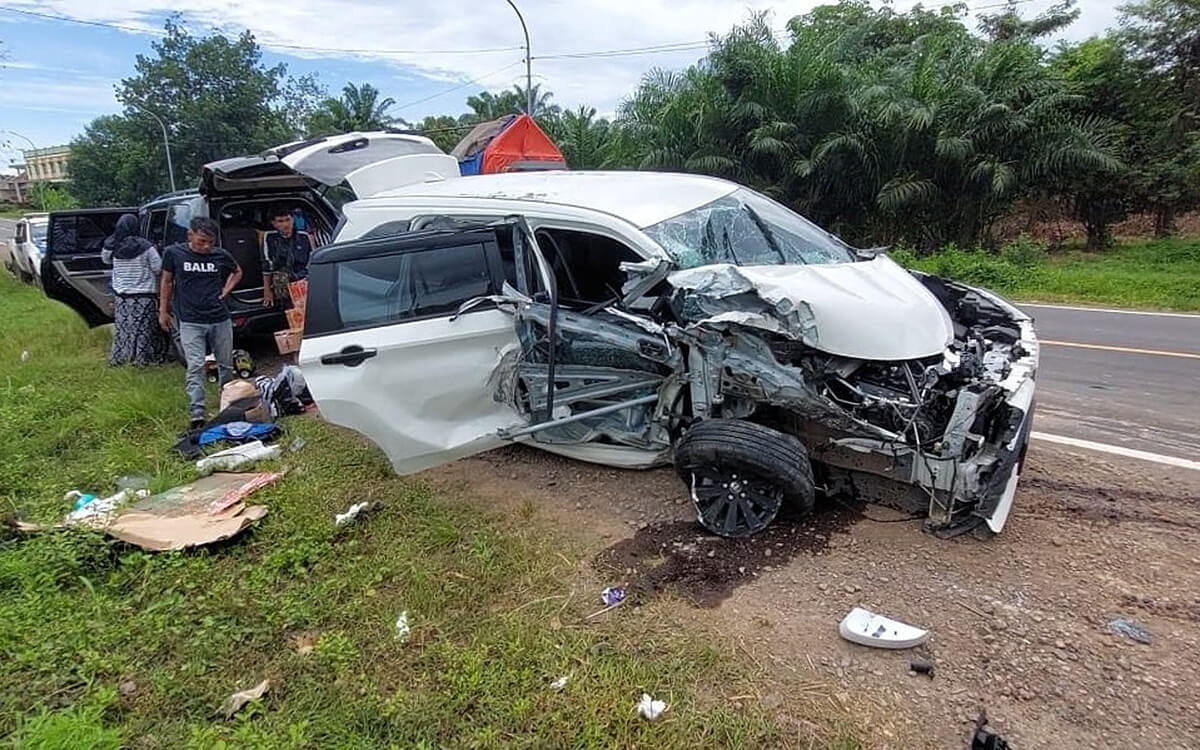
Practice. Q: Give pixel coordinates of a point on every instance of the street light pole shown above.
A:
(32, 145)
(166, 143)
(528, 62)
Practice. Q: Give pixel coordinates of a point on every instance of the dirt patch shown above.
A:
(1020, 624)
(705, 569)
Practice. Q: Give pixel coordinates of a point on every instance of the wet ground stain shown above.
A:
(683, 558)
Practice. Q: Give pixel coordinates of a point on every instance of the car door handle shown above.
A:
(351, 356)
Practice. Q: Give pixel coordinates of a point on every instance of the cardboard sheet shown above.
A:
(209, 510)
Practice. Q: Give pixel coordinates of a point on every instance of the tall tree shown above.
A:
(1008, 23)
(359, 108)
(1163, 37)
(583, 138)
(216, 98)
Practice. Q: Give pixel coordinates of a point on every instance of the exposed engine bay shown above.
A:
(942, 433)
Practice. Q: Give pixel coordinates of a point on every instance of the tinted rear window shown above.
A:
(394, 288)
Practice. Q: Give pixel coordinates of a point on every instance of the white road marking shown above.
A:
(1124, 349)
(1110, 310)
(1116, 450)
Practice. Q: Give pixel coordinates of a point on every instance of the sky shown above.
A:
(59, 75)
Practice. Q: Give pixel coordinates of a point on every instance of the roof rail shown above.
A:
(176, 194)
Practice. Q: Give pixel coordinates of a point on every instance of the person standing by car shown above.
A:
(136, 264)
(197, 276)
(285, 255)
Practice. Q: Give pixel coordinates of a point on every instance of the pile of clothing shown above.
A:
(249, 410)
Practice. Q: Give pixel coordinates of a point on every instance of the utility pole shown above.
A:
(528, 62)
(166, 142)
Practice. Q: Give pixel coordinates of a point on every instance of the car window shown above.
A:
(156, 227)
(421, 284)
(20, 236)
(39, 233)
(177, 223)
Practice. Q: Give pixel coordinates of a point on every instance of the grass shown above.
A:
(103, 645)
(1159, 274)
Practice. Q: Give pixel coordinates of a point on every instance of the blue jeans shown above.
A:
(195, 341)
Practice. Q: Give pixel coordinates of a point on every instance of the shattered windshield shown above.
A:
(747, 229)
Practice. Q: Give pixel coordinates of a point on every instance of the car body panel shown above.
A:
(868, 310)
(626, 195)
(425, 398)
(423, 390)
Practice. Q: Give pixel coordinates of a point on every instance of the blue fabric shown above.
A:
(237, 432)
(472, 165)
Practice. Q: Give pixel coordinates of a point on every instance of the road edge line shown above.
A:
(1117, 450)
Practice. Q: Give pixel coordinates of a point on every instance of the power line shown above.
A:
(472, 82)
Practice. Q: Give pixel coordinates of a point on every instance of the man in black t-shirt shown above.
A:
(197, 277)
(285, 255)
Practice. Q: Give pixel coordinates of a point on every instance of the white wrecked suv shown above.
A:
(636, 319)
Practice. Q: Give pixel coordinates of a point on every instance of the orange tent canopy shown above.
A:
(522, 145)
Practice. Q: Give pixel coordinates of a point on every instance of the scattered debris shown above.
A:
(986, 739)
(238, 457)
(235, 702)
(90, 509)
(341, 519)
(305, 643)
(25, 356)
(921, 665)
(864, 627)
(209, 510)
(297, 445)
(613, 595)
(649, 708)
(1127, 627)
(560, 683)
(403, 630)
(127, 688)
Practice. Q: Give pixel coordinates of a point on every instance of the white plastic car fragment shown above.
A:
(560, 683)
(649, 708)
(403, 629)
(341, 519)
(235, 702)
(864, 627)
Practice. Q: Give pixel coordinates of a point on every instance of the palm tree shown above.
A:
(488, 106)
(358, 108)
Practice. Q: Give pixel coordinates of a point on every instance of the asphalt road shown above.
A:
(1113, 377)
(1135, 383)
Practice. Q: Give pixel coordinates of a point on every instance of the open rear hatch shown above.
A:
(72, 271)
(369, 162)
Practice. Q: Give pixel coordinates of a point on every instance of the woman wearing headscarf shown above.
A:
(137, 338)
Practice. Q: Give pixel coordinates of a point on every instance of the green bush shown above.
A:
(1025, 252)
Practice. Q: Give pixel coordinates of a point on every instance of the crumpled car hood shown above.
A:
(872, 310)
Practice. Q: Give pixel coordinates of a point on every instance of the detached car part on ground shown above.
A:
(761, 355)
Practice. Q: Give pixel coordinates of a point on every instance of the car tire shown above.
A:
(740, 473)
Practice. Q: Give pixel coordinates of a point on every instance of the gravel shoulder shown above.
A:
(1020, 624)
